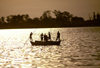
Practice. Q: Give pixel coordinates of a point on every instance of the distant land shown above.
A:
(47, 20)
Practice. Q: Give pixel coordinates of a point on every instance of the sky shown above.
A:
(35, 8)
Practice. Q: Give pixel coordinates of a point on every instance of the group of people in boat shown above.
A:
(45, 37)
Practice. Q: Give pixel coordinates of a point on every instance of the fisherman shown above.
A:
(31, 36)
(41, 37)
(49, 36)
(58, 36)
(45, 38)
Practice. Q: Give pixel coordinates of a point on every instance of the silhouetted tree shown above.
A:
(62, 16)
(26, 17)
(98, 18)
(36, 20)
(46, 16)
(8, 19)
(61, 19)
(2, 20)
(77, 21)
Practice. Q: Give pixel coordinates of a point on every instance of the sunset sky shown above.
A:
(35, 8)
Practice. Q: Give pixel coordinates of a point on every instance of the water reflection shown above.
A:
(79, 47)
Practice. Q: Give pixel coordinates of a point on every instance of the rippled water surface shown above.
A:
(80, 48)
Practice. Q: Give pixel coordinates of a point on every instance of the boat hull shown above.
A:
(45, 43)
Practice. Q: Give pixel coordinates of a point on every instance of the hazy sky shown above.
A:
(35, 8)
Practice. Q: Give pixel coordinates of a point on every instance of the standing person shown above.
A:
(31, 36)
(41, 37)
(58, 36)
(49, 36)
(45, 38)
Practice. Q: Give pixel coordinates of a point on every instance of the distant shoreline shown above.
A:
(46, 20)
(62, 19)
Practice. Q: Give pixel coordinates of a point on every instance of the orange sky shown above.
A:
(35, 8)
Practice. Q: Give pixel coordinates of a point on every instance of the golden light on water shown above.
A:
(16, 50)
(17, 37)
(78, 46)
(19, 33)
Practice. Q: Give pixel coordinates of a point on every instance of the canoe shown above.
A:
(45, 42)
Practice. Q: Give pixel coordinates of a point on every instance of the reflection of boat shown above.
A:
(45, 42)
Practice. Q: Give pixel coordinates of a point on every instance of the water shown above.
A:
(80, 48)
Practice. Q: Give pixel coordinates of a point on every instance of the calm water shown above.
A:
(80, 48)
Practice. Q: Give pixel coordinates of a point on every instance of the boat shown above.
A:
(45, 42)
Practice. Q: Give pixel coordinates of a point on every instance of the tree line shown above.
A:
(48, 19)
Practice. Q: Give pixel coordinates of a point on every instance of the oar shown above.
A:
(26, 41)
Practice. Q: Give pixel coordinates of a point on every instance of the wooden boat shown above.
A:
(45, 42)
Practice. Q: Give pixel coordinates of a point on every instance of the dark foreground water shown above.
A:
(80, 48)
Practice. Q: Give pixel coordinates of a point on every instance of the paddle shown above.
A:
(26, 40)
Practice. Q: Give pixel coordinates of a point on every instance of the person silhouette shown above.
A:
(45, 38)
(41, 37)
(31, 36)
(58, 36)
(49, 36)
